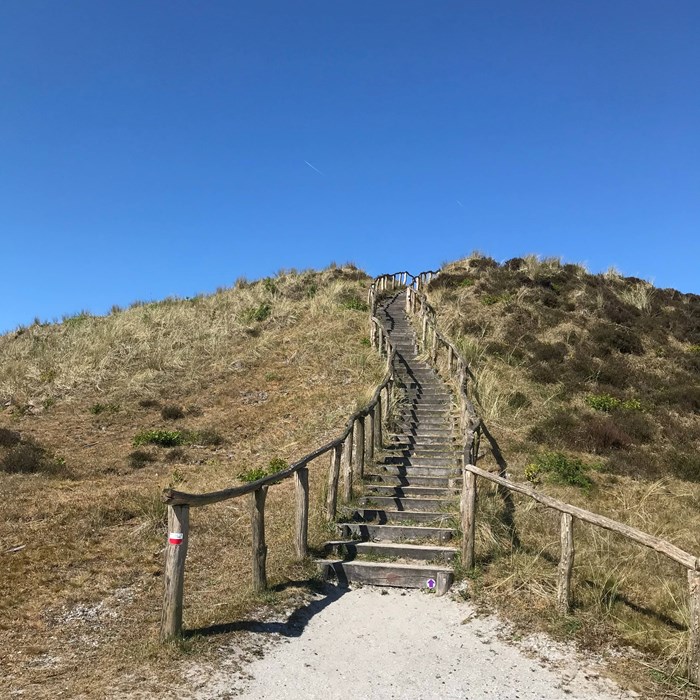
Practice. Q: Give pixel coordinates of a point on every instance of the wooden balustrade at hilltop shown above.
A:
(348, 453)
(432, 342)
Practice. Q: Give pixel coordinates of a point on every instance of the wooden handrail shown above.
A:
(179, 502)
(472, 426)
(689, 561)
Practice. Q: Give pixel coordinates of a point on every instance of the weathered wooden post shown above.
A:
(333, 476)
(424, 334)
(370, 435)
(566, 564)
(378, 442)
(257, 521)
(468, 508)
(347, 466)
(450, 358)
(175, 555)
(360, 446)
(301, 531)
(694, 626)
(434, 349)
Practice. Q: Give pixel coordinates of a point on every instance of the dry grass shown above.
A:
(543, 337)
(80, 602)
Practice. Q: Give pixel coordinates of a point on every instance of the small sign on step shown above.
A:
(175, 538)
(430, 583)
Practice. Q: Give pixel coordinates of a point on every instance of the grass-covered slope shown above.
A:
(98, 414)
(591, 385)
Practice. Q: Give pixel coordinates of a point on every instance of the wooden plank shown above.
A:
(301, 531)
(175, 555)
(694, 627)
(566, 564)
(347, 468)
(662, 546)
(468, 508)
(360, 447)
(333, 477)
(257, 521)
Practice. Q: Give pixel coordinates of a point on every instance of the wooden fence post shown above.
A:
(450, 358)
(360, 446)
(424, 334)
(175, 554)
(434, 349)
(333, 476)
(566, 564)
(347, 467)
(257, 521)
(370, 435)
(378, 442)
(468, 507)
(301, 487)
(694, 625)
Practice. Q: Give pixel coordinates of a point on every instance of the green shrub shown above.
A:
(162, 438)
(256, 313)
(354, 304)
(603, 402)
(9, 438)
(277, 464)
(206, 436)
(561, 469)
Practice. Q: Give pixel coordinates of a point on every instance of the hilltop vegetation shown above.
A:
(98, 414)
(591, 385)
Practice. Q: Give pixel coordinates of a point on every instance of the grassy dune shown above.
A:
(258, 372)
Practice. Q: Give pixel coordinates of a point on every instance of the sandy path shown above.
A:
(390, 643)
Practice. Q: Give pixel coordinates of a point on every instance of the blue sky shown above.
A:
(158, 148)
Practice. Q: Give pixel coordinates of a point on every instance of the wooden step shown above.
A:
(410, 471)
(433, 505)
(346, 549)
(396, 533)
(379, 516)
(413, 480)
(372, 573)
(409, 491)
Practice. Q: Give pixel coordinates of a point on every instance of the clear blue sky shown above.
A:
(160, 147)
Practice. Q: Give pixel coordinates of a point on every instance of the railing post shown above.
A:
(333, 476)
(370, 435)
(257, 521)
(175, 555)
(424, 334)
(378, 443)
(450, 358)
(347, 467)
(434, 349)
(360, 446)
(694, 625)
(468, 507)
(301, 487)
(566, 564)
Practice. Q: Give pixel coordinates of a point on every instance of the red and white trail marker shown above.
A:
(175, 538)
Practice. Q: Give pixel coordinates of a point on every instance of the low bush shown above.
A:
(140, 458)
(685, 465)
(559, 468)
(256, 314)
(28, 457)
(99, 408)
(172, 412)
(277, 464)
(175, 438)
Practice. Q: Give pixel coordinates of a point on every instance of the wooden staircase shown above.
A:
(400, 530)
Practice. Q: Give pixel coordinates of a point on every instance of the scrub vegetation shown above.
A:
(591, 385)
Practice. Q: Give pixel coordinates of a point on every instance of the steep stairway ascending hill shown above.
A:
(400, 532)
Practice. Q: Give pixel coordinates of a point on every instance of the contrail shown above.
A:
(314, 168)
(460, 203)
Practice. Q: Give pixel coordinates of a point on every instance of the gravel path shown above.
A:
(391, 643)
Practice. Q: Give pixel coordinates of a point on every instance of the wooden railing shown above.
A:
(348, 453)
(432, 342)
